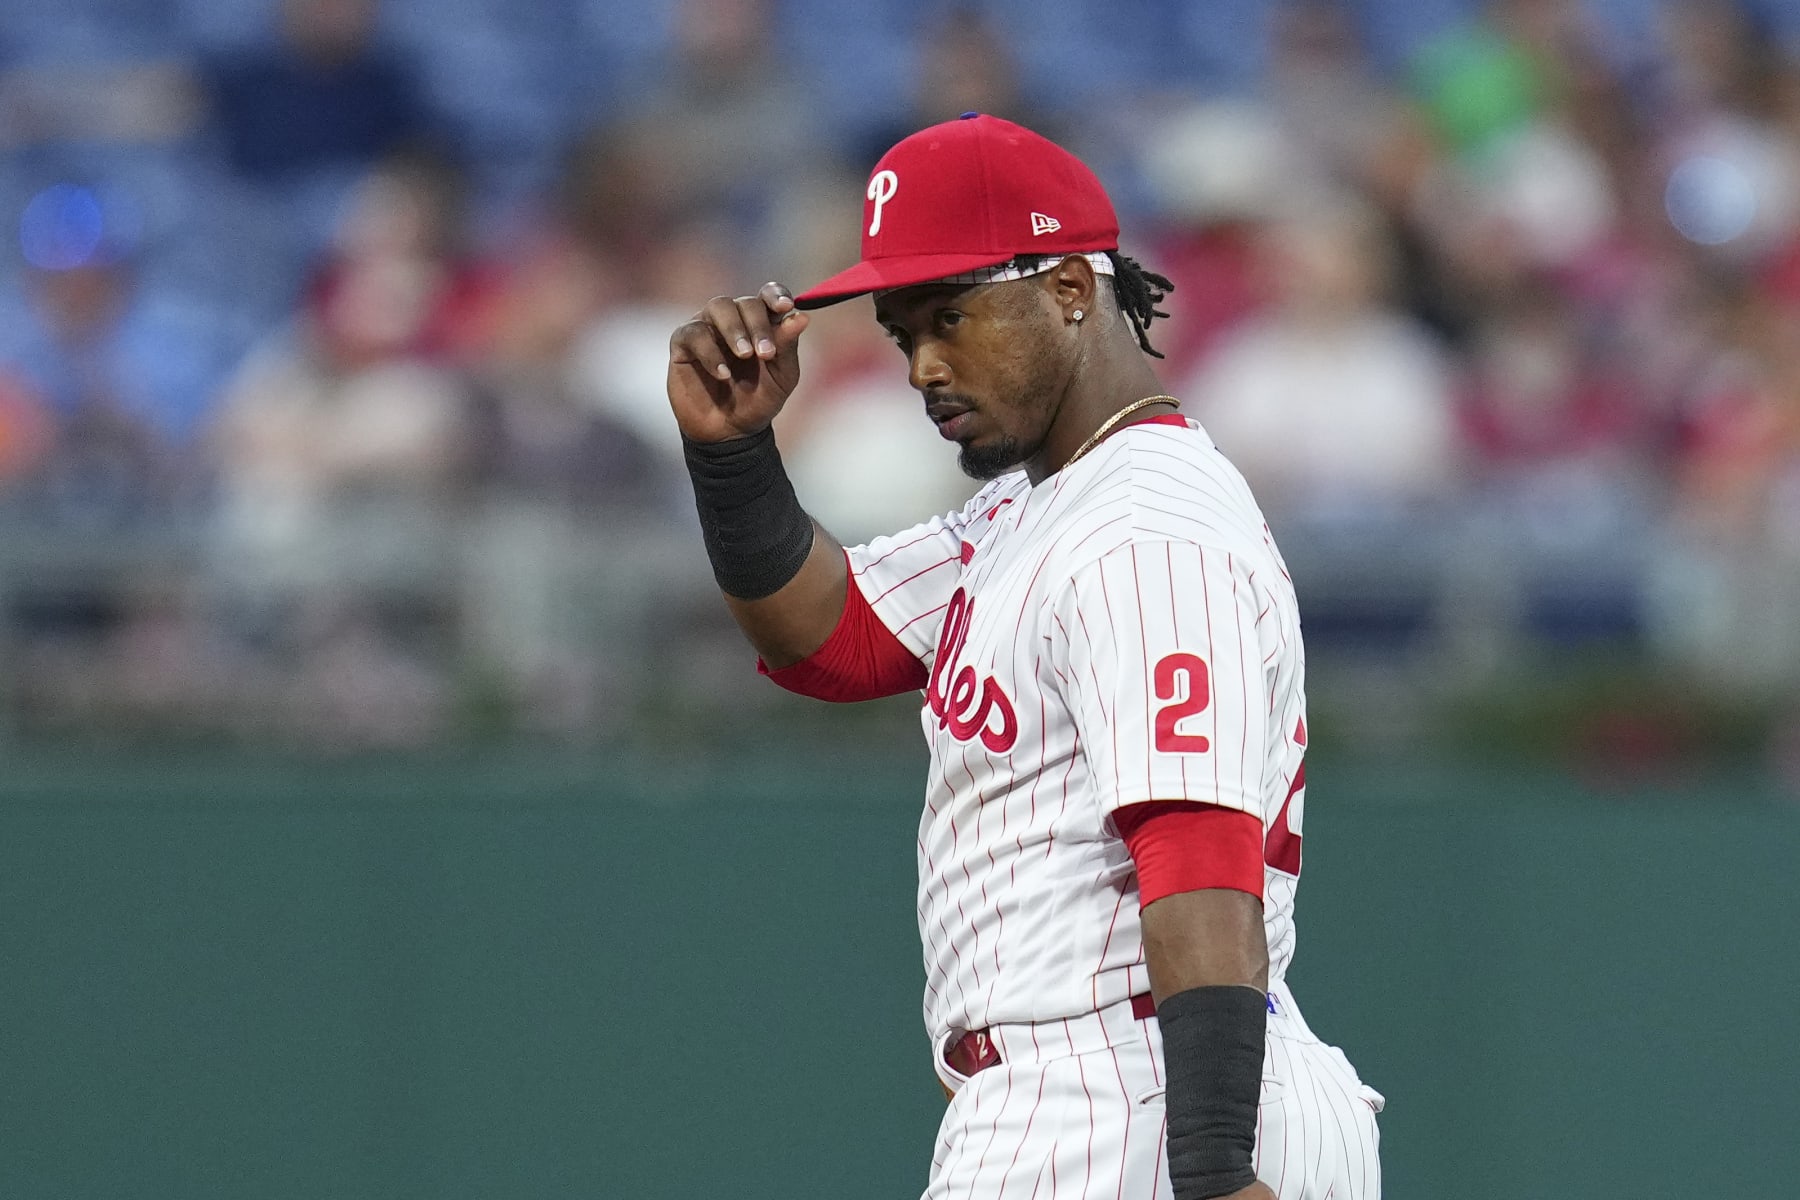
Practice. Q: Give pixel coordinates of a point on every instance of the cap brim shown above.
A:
(883, 273)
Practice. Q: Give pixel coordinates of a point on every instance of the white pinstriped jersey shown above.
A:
(1124, 631)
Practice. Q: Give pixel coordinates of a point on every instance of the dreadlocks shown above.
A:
(1139, 292)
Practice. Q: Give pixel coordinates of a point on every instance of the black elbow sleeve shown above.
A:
(757, 535)
(1212, 1057)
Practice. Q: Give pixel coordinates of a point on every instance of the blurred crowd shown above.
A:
(332, 334)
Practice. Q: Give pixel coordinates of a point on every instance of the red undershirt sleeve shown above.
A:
(1185, 846)
(861, 660)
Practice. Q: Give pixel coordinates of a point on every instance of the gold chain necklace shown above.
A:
(1113, 421)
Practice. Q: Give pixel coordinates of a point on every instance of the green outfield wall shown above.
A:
(613, 976)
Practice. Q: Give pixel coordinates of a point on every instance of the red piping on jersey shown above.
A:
(1175, 419)
(1184, 846)
(861, 660)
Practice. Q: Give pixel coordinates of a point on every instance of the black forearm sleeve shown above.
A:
(757, 535)
(1212, 1056)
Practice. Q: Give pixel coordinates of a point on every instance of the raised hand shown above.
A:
(733, 366)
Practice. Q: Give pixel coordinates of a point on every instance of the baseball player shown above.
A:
(1108, 649)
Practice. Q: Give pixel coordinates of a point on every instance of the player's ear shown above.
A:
(1073, 284)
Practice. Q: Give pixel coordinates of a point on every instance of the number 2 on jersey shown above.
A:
(1281, 849)
(1181, 679)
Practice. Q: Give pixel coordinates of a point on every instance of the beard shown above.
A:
(992, 461)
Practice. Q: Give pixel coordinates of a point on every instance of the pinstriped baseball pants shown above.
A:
(1074, 1111)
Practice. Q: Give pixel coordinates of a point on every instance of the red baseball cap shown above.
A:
(967, 194)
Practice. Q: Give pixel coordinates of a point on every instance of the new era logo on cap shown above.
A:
(967, 195)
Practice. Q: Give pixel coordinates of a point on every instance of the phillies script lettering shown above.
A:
(967, 707)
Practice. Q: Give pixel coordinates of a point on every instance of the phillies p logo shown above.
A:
(882, 187)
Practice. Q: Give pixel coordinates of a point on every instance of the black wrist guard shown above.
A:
(1212, 1057)
(757, 535)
